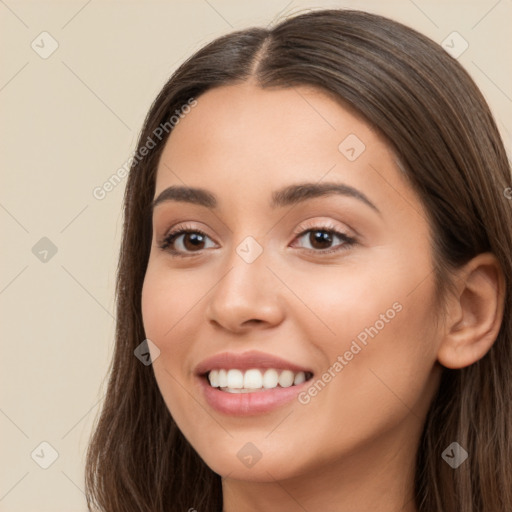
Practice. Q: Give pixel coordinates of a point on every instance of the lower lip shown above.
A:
(249, 404)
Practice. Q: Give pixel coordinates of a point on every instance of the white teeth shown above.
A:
(252, 379)
(286, 378)
(236, 381)
(223, 379)
(299, 378)
(213, 377)
(270, 379)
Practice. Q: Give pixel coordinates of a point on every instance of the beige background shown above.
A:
(69, 121)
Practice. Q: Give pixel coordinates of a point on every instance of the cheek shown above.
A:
(167, 307)
(339, 303)
(380, 361)
(380, 323)
(168, 300)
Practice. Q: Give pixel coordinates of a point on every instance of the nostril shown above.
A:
(254, 320)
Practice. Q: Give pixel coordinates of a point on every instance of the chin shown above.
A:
(266, 469)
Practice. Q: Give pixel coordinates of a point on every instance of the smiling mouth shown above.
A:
(254, 380)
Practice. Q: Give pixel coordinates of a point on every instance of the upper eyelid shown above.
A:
(324, 225)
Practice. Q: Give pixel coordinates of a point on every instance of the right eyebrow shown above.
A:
(192, 195)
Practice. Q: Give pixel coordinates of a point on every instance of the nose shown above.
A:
(246, 297)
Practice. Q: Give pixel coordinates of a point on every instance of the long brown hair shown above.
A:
(447, 143)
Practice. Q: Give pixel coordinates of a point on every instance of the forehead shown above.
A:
(240, 140)
(248, 118)
(273, 104)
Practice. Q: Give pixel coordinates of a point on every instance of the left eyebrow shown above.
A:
(294, 194)
(289, 195)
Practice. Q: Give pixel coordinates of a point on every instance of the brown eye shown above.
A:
(183, 241)
(193, 241)
(320, 239)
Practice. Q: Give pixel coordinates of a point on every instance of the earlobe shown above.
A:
(473, 326)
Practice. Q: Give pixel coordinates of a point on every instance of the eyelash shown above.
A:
(170, 237)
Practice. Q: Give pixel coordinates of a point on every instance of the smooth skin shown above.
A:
(353, 446)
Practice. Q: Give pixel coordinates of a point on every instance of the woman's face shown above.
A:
(338, 285)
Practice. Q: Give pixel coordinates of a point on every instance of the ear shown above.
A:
(474, 314)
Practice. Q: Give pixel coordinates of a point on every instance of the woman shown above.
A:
(316, 258)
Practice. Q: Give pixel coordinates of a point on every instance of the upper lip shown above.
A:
(246, 361)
